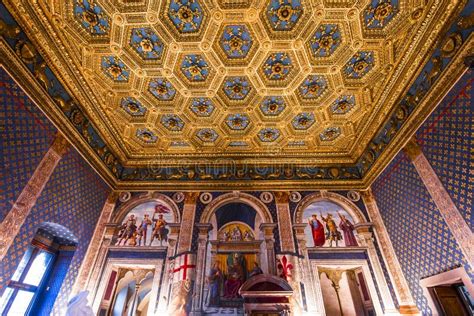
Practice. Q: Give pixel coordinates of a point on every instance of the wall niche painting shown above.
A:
(145, 225)
(329, 225)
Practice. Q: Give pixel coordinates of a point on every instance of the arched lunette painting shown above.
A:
(329, 225)
(145, 225)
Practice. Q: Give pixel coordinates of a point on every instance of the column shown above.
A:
(365, 239)
(95, 244)
(187, 222)
(26, 200)
(267, 230)
(407, 304)
(284, 222)
(314, 296)
(200, 268)
(453, 218)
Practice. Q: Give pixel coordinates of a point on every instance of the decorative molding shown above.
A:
(391, 261)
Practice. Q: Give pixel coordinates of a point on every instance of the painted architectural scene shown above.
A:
(236, 157)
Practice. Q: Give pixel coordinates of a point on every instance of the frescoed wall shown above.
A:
(328, 225)
(145, 225)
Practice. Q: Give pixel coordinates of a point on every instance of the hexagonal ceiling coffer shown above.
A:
(236, 88)
(303, 121)
(325, 40)
(132, 106)
(172, 122)
(283, 15)
(343, 104)
(237, 122)
(236, 44)
(146, 135)
(92, 17)
(114, 68)
(147, 43)
(359, 65)
(162, 89)
(272, 105)
(202, 106)
(330, 133)
(186, 18)
(379, 13)
(268, 134)
(194, 68)
(312, 87)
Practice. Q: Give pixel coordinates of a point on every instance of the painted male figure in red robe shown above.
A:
(317, 230)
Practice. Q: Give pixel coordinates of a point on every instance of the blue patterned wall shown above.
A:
(422, 241)
(73, 197)
(26, 136)
(447, 139)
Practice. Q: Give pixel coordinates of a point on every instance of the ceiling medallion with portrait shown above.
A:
(284, 81)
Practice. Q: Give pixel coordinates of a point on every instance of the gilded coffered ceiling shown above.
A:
(180, 83)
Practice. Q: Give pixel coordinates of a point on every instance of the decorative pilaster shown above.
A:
(267, 230)
(200, 267)
(453, 218)
(314, 296)
(187, 222)
(26, 200)
(95, 244)
(169, 267)
(365, 239)
(92, 281)
(284, 222)
(407, 304)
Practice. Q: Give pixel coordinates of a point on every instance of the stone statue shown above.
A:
(78, 305)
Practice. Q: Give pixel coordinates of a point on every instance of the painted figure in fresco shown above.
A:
(255, 271)
(160, 231)
(348, 229)
(333, 234)
(226, 236)
(236, 234)
(248, 236)
(143, 228)
(128, 229)
(214, 280)
(317, 231)
(236, 269)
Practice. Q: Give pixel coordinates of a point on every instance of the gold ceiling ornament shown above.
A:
(234, 79)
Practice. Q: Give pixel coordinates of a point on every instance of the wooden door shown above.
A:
(449, 301)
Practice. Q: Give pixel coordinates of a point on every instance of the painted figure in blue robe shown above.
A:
(214, 280)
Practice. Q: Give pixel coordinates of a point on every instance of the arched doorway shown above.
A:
(266, 295)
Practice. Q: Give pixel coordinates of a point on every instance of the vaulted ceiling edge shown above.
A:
(93, 75)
